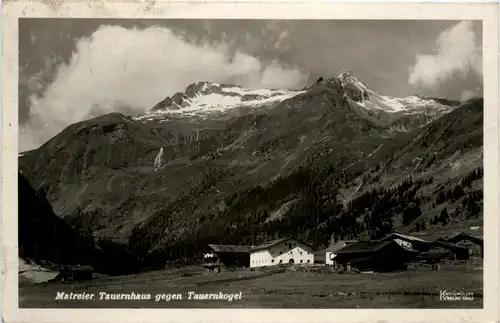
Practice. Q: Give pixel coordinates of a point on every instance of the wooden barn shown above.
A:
(228, 256)
(408, 241)
(74, 273)
(459, 252)
(473, 243)
(380, 255)
(443, 250)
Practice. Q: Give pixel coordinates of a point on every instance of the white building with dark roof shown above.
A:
(281, 251)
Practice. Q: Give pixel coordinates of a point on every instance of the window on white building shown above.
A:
(300, 260)
(307, 260)
(272, 260)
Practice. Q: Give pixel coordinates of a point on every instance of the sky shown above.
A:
(74, 69)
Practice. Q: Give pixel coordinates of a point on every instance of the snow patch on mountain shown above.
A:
(204, 98)
(407, 105)
(358, 93)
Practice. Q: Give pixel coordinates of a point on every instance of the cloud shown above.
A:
(458, 54)
(130, 70)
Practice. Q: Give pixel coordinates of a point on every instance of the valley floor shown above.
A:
(410, 289)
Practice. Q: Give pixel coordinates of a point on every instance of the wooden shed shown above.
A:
(473, 243)
(375, 255)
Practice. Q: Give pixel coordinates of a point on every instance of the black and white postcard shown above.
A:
(249, 162)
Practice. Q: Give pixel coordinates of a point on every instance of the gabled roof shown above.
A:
(396, 235)
(339, 245)
(434, 236)
(449, 245)
(466, 236)
(269, 244)
(219, 248)
(369, 246)
(362, 246)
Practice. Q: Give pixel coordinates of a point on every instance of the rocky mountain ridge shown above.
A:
(204, 99)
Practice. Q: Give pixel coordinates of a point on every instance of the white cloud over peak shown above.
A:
(124, 70)
(458, 54)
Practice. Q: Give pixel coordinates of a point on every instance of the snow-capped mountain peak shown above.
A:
(203, 98)
(353, 88)
(359, 94)
(345, 76)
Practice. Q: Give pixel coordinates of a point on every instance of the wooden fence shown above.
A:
(232, 279)
(316, 268)
(465, 265)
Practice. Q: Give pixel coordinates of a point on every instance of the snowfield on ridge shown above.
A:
(203, 99)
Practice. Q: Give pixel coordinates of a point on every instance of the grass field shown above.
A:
(283, 290)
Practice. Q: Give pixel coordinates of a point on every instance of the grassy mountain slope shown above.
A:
(440, 168)
(100, 173)
(398, 193)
